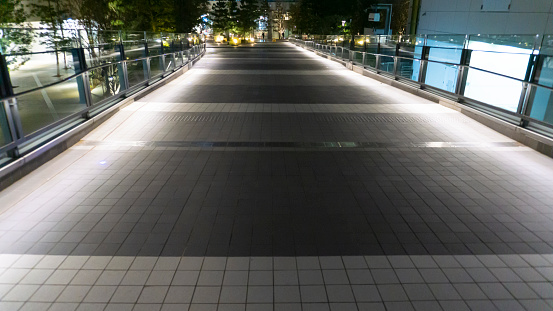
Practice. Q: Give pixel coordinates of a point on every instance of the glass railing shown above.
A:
(49, 91)
(509, 76)
(106, 82)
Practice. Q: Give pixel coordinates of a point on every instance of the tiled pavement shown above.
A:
(267, 178)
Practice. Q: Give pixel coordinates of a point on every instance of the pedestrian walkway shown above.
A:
(268, 178)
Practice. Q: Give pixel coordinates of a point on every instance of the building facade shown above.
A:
(485, 17)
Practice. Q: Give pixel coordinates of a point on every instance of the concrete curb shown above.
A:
(536, 141)
(20, 167)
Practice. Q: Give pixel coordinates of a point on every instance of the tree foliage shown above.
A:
(248, 16)
(14, 38)
(52, 14)
(188, 14)
(326, 16)
(220, 17)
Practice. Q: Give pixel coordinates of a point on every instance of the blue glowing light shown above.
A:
(103, 162)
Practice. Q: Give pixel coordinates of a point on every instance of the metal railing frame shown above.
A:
(19, 141)
(520, 118)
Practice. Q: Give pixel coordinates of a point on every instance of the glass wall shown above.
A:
(40, 108)
(57, 83)
(540, 104)
(106, 82)
(510, 72)
(443, 49)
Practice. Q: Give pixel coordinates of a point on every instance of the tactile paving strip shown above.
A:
(283, 117)
(334, 144)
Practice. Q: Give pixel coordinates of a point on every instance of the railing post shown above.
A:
(396, 60)
(534, 63)
(83, 82)
(161, 52)
(13, 131)
(14, 124)
(122, 66)
(463, 72)
(6, 88)
(146, 61)
(363, 61)
(423, 64)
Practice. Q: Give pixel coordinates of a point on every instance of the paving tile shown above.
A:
(260, 294)
(206, 294)
(179, 295)
(153, 294)
(126, 294)
(392, 292)
(287, 294)
(313, 294)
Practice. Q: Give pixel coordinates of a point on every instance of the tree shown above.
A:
(233, 14)
(51, 14)
(96, 14)
(303, 17)
(248, 15)
(14, 38)
(188, 14)
(400, 16)
(149, 15)
(220, 17)
(278, 17)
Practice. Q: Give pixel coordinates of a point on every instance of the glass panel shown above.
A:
(541, 99)
(547, 45)
(372, 44)
(446, 55)
(137, 72)
(5, 134)
(370, 60)
(43, 107)
(39, 69)
(446, 41)
(541, 104)
(156, 66)
(544, 74)
(439, 75)
(407, 67)
(154, 43)
(133, 43)
(493, 89)
(388, 45)
(386, 64)
(167, 40)
(496, 62)
(442, 76)
(169, 62)
(106, 82)
(178, 59)
(525, 43)
(358, 57)
(359, 43)
(100, 47)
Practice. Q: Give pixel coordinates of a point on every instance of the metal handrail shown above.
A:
(87, 70)
(449, 64)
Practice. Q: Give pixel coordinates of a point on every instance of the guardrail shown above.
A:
(33, 116)
(415, 72)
